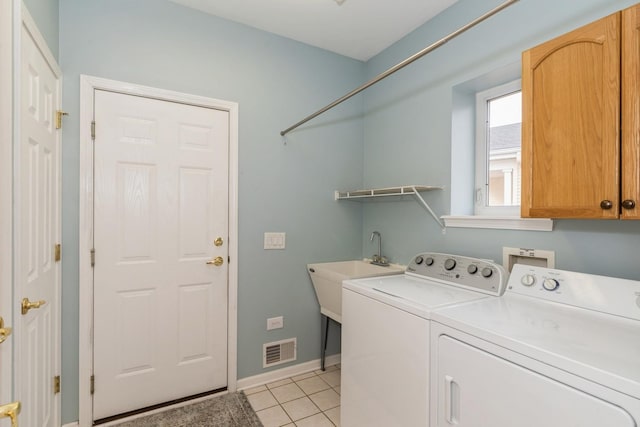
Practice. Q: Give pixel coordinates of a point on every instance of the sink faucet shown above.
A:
(378, 259)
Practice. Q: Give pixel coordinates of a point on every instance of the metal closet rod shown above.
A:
(403, 64)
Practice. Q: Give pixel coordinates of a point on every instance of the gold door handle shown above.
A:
(11, 410)
(218, 241)
(217, 261)
(28, 305)
(4, 332)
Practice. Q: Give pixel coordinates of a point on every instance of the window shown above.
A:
(498, 132)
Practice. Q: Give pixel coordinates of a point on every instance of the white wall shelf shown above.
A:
(405, 190)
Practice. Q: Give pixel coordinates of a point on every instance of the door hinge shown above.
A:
(59, 115)
(57, 256)
(93, 257)
(92, 384)
(93, 130)
(56, 384)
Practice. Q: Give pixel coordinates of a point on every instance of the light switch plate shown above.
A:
(274, 240)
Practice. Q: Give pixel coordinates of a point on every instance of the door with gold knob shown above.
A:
(36, 333)
(160, 275)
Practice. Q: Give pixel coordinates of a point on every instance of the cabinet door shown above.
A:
(570, 126)
(630, 113)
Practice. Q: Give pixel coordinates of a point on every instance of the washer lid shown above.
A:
(600, 347)
(417, 296)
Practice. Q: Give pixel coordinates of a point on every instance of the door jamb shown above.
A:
(88, 85)
(6, 190)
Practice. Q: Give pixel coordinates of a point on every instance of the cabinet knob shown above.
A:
(606, 204)
(628, 204)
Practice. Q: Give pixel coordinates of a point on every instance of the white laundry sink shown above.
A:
(327, 280)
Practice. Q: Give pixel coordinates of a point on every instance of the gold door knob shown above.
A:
(28, 305)
(4, 332)
(218, 241)
(11, 410)
(217, 261)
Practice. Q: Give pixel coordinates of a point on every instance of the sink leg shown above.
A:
(325, 337)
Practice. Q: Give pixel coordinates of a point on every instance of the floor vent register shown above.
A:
(275, 353)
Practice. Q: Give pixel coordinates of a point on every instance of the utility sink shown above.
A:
(327, 280)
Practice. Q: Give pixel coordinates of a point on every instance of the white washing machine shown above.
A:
(558, 349)
(385, 335)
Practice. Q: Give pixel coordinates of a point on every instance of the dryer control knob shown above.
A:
(472, 269)
(550, 284)
(450, 264)
(528, 280)
(429, 261)
(487, 272)
(419, 260)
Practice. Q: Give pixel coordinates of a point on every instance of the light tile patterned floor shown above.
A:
(307, 400)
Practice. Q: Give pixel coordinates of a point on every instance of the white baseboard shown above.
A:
(73, 424)
(289, 371)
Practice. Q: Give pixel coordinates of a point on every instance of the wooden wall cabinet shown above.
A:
(581, 122)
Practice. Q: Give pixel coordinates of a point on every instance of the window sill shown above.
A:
(501, 223)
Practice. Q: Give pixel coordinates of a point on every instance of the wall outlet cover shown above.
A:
(275, 323)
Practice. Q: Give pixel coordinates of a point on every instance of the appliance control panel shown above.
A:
(610, 295)
(456, 270)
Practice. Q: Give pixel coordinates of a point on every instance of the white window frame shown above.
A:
(481, 205)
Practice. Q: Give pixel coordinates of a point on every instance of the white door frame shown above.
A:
(88, 85)
(6, 190)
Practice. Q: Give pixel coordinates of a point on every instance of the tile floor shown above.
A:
(306, 400)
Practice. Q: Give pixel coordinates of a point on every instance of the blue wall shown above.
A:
(45, 14)
(408, 131)
(289, 188)
(398, 132)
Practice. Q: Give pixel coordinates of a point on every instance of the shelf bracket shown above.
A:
(428, 208)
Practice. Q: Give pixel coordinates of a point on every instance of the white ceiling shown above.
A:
(358, 29)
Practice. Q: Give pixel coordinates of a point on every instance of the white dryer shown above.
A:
(385, 335)
(558, 349)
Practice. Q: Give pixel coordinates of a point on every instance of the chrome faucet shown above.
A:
(378, 259)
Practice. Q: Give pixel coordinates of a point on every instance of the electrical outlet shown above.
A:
(275, 323)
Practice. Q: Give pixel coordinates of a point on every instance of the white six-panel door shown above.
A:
(160, 216)
(38, 191)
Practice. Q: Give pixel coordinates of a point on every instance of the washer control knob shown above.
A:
(429, 261)
(450, 264)
(528, 280)
(487, 272)
(472, 269)
(550, 284)
(419, 260)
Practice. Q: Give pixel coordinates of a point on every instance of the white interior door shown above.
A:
(160, 218)
(38, 231)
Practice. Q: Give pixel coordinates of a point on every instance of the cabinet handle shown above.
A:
(628, 204)
(451, 403)
(606, 204)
